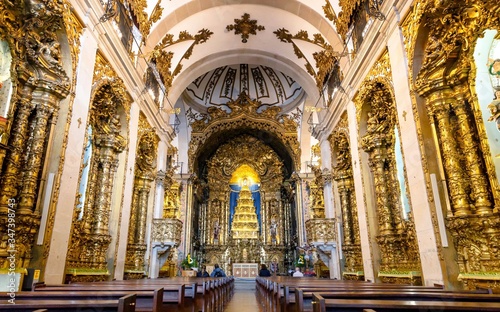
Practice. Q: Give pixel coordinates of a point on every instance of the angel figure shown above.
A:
(494, 108)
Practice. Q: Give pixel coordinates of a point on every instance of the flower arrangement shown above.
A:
(189, 262)
(301, 262)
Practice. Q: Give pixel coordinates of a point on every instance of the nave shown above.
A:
(227, 294)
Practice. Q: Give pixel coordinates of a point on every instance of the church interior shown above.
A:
(356, 139)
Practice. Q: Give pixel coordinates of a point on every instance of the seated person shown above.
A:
(203, 272)
(264, 271)
(297, 272)
(309, 273)
(217, 272)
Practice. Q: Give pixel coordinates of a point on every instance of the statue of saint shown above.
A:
(273, 230)
(216, 231)
(494, 108)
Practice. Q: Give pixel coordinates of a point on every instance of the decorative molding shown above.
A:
(326, 60)
(245, 27)
(162, 58)
(244, 112)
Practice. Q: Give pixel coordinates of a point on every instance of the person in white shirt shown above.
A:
(297, 272)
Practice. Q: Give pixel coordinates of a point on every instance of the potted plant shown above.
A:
(301, 262)
(189, 263)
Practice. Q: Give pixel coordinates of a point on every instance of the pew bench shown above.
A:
(320, 304)
(171, 293)
(303, 297)
(124, 304)
(145, 300)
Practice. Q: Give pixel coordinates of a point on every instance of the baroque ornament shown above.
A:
(162, 58)
(145, 163)
(89, 243)
(444, 82)
(138, 8)
(245, 27)
(244, 112)
(342, 174)
(326, 59)
(31, 28)
(243, 157)
(397, 239)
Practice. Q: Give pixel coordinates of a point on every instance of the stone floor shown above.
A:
(244, 298)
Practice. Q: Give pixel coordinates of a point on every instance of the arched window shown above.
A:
(5, 78)
(82, 189)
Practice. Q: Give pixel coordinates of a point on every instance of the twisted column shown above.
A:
(439, 105)
(476, 172)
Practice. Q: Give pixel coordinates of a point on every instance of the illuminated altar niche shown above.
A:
(245, 177)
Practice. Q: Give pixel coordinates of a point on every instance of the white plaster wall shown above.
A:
(429, 256)
(56, 261)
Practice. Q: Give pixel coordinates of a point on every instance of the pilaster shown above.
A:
(121, 251)
(366, 245)
(422, 210)
(56, 261)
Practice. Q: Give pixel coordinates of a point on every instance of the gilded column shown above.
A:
(476, 171)
(144, 176)
(105, 177)
(17, 144)
(439, 106)
(375, 144)
(36, 148)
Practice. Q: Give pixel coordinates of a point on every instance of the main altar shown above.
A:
(244, 197)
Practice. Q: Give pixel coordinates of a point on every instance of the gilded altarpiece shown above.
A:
(39, 83)
(166, 231)
(145, 164)
(342, 174)
(90, 238)
(400, 260)
(445, 80)
(272, 238)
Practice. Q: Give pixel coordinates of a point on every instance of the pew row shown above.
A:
(321, 304)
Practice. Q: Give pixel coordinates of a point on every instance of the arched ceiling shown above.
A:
(225, 47)
(262, 83)
(291, 60)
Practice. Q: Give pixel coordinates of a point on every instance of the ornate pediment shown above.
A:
(243, 113)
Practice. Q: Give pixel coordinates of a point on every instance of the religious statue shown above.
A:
(50, 53)
(273, 230)
(216, 231)
(274, 267)
(494, 108)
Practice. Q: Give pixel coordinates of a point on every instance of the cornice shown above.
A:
(112, 48)
(373, 46)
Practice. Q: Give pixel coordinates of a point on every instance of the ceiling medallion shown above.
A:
(245, 27)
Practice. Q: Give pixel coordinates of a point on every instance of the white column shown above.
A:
(128, 192)
(61, 229)
(154, 267)
(160, 186)
(422, 216)
(326, 163)
(366, 247)
(335, 264)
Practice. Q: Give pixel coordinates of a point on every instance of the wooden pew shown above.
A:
(320, 304)
(303, 296)
(171, 293)
(281, 296)
(200, 294)
(145, 300)
(124, 304)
